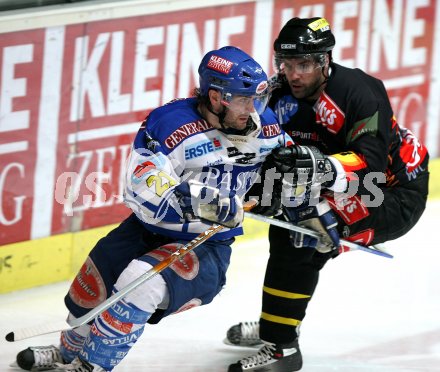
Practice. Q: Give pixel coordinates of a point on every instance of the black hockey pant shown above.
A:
(292, 273)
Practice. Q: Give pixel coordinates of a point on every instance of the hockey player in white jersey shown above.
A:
(191, 164)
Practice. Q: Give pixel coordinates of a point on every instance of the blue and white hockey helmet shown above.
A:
(234, 73)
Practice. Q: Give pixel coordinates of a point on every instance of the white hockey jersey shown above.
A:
(175, 144)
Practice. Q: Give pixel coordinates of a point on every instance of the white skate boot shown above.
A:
(244, 334)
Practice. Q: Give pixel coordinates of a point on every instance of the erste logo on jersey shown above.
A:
(329, 114)
(202, 148)
(185, 131)
(220, 64)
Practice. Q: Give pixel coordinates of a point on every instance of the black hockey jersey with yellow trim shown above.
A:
(353, 120)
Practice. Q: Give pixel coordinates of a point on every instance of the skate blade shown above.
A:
(242, 344)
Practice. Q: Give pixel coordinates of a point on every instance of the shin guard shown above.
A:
(113, 333)
(71, 343)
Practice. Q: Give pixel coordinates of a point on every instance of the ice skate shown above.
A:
(39, 358)
(78, 365)
(244, 334)
(271, 357)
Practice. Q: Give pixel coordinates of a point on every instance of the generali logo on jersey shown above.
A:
(329, 114)
(220, 64)
(186, 130)
(271, 130)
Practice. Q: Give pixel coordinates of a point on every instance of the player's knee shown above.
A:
(151, 294)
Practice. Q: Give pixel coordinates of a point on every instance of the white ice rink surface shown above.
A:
(368, 313)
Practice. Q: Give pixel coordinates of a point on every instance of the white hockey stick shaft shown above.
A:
(41, 329)
(314, 234)
(28, 332)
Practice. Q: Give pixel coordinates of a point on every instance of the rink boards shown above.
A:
(77, 80)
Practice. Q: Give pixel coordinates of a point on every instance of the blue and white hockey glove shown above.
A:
(319, 218)
(210, 203)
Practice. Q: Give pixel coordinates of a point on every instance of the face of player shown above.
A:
(239, 110)
(304, 76)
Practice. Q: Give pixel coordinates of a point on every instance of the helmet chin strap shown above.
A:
(320, 85)
(221, 115)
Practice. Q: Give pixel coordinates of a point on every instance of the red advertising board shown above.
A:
(72, 96)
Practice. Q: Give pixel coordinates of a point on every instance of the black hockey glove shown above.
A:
(303, 165)
(267, 192)
(268, 198)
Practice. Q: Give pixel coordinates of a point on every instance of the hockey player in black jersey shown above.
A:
(346, 115)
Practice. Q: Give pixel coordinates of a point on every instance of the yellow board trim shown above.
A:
(48, 260)
(285, 294)
(280, 319)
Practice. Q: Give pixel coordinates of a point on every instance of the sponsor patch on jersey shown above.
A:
(352, 210)
(412, 152)
(185, 131)
(366, 126)
(311, 136)
(271, 130)
(328, 114)
(239, 157)
(88, 289)
(143, 168)
(202, 148)
(267, 149)
(285, 108)
(220, 64)
(187, 267)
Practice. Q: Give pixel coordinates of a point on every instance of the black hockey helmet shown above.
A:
(304, 36)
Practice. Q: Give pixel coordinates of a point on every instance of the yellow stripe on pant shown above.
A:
(285, 294)
(280, 319)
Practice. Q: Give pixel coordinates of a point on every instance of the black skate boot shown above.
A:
(39, 358)
(244, 334)
(271, 357)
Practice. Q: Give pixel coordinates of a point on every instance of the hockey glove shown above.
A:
(319, 218)
(209, 203)
(267, 193)
(303, 165)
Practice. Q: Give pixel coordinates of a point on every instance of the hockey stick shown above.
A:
(314, 234)
(28, 332)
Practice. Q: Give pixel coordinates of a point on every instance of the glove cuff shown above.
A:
(339, 183)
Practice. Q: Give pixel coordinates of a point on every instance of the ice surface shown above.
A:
(368, 313)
